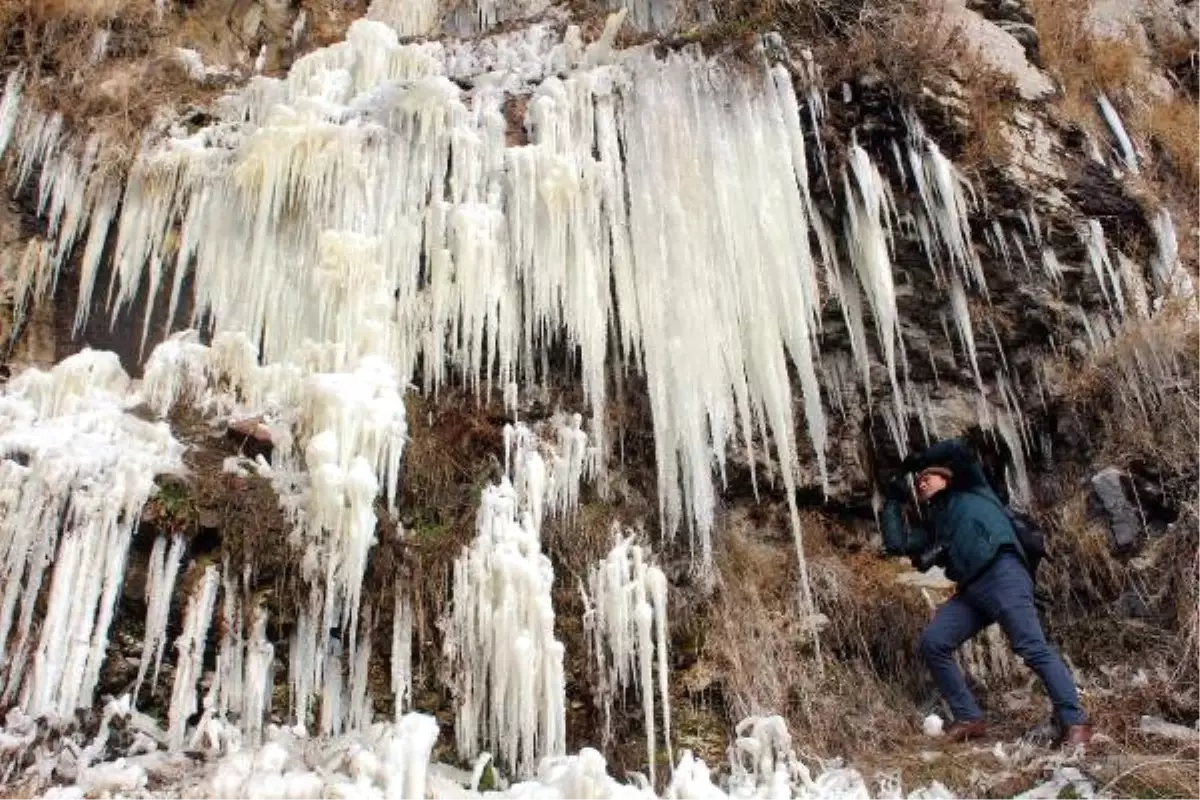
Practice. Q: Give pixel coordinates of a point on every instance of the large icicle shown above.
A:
(868, 209)
(500, 631)
(402, 629)
(1124, 143)
(190, 647)
(945, 204)
(160, 586)
(382, 201)
(626, 597)
(500, 640)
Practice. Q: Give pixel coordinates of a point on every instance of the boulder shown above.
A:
(1114, 503)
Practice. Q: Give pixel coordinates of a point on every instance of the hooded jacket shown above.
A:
(966, 517)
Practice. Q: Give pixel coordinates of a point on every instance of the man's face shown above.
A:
(929, 484)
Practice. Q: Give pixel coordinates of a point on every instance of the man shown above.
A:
(979, 550)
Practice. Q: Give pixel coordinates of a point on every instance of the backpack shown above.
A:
(1031, 538)
(1029, 533)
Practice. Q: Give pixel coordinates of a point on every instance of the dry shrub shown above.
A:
(1140, 391)
(862, 698)
(907, 42)
(1080, 62)
(1175, 127)
(1083, 575)
(1138, 397)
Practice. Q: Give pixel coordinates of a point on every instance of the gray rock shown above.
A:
(1132, 605)
(1124, 521)
(1156, 726)
(1024, 33)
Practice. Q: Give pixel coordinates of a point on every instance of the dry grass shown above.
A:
(755, 650)
(1174, 127)
(118, 96)
(139, 79)
(1137, 398)
(1080, 63)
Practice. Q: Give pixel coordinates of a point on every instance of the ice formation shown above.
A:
(75, 474)
(160, 586)
(626, 620)
(365, 220)
(1124, 143)
(500, 642)
(466, 257)
(190, 647)
(393, 760)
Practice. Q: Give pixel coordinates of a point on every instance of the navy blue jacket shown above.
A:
(966, 517)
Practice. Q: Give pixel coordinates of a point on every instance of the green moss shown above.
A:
(172, 509)
(487, 781)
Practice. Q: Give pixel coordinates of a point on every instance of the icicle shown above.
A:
(1170, 277)
(500, 640)
(626, 598)
(962, 320)
(1134, 285)
(867, 241)
(1092, 235)
(402, 622)
(941, 190)
(160, 587)
(259, 677)
(190, 646)
(70, 512)
(10, 106)
(1128, 155)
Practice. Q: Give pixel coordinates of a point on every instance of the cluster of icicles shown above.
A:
(392, 760)
(369, 165)
(77, 469)
(367, 214)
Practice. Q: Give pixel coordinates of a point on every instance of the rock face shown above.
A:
(700, 252)
(1003, 42)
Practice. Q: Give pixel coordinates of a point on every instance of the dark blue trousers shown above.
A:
(1003, 594)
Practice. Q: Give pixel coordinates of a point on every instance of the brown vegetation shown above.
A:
(121, 89)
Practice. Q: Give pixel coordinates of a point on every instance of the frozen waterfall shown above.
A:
(378, 217)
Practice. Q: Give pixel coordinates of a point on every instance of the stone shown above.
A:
(253, 436)
(998, 49)
(1155, 726)
(1124, 521)
(1132, 605)
(1024, 33)
(933, 579)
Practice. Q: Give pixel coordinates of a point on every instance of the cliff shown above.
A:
(419, 311)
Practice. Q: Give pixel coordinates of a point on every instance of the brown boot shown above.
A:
(1077, 735)
(961, 731)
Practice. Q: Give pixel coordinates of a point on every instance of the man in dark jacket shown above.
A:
(969, 528)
